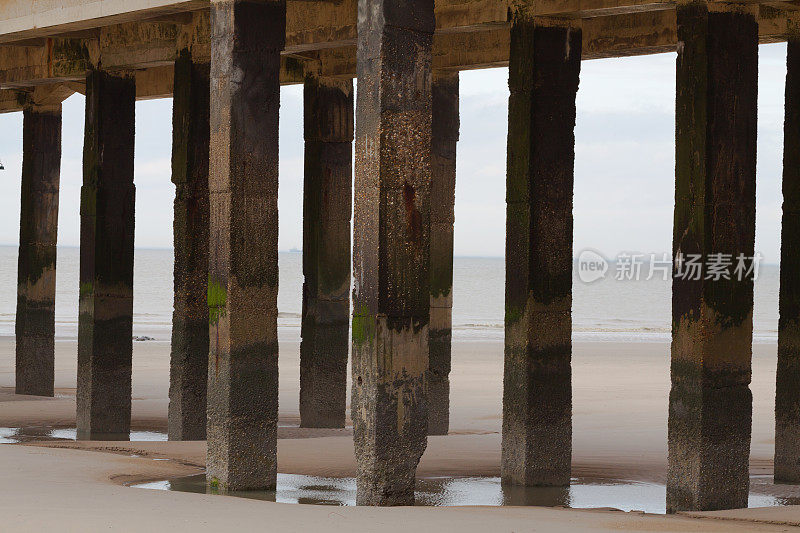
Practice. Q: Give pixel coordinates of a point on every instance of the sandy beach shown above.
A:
(619, 424)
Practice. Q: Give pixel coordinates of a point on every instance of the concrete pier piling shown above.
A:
(105, 319)
(36, 272)
(327, 209)
(391, 295)
(189, 351)
(247, 38)
(443, 189)
(710, 404)
(787, 399)
(537, 396)
(224, 61)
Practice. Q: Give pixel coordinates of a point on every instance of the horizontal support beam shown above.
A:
(153, 45)
(637, 33)
(40, 96)
(309, 24)
(11, 101)
(157, 82)
(24, 19)
(151, 83)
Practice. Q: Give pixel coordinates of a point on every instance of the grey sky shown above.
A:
(624, 167)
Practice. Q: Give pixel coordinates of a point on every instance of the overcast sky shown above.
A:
(624, 166)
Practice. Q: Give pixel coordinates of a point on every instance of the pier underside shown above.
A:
(224, 62)
(42, 44)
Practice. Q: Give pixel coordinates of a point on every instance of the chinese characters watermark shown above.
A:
(592, 266)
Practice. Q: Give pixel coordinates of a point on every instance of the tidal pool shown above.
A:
(27, 434)
(451, 491)
(439, 491)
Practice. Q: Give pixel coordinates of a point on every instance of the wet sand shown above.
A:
(67, 490)
(620, 419)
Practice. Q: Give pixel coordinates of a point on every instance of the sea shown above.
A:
(606, 310)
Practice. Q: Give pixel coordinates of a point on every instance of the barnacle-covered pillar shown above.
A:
(710, 404)
(443, 190)
(36, 272)
(246, 41)
(105, 319)
(188, 374)
(544, 71)
(327, 208)
(391, 295)
(787, 399)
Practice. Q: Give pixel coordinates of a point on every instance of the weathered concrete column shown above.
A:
(443, 191)
(544, 71)
(247, 37)
(36, 271)
(327, 208)
(391, 295)
(787, 398)
(105, 320)
(710, 404)
(189, 355)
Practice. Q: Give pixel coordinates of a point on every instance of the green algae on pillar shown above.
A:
(391, 295)
(710, 404)
(246, 42)
(189, 350)
(443, 188)
(544, 72)
(36, 274)
(105, 320)
(787, 398)
(327, 208)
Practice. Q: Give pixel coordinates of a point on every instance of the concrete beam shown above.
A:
(42, 96)
(11, 101)
(310, 24)
(58, 60)
(157, 82)
(603, 37)
(149, 44)
(24, 19)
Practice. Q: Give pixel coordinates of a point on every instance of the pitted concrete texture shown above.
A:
(105, 319)
(247, 37)
(537, 393)
(190, 159)
(391, 296)
(712, 321)
(327, 206)
(36, 271)
(445, 124)
(787, 400)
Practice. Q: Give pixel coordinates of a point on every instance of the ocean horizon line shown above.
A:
(280, 250)
(300, 251)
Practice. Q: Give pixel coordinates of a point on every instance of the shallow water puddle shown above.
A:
(438, 491)
(27, 434)
(451, 491)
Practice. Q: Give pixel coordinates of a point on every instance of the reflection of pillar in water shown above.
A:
(541, 496)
